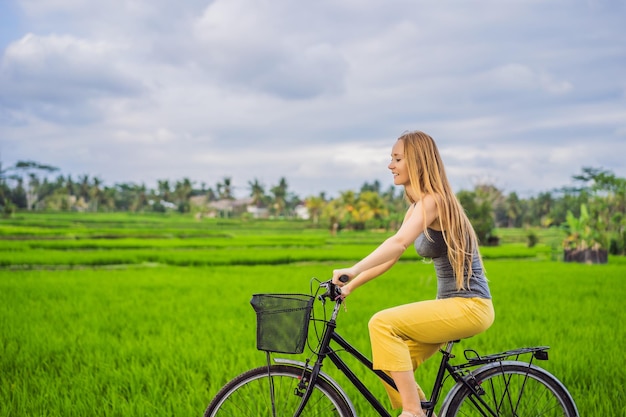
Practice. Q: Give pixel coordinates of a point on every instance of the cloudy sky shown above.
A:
(518, 93)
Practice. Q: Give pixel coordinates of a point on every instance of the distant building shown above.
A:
(302, 212)
(258, 212)
(229, 208)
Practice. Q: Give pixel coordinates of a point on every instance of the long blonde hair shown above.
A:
(428, 176)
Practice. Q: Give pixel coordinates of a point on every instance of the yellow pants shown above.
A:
(404, 337)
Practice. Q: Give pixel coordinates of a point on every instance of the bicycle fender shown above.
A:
(323, 375)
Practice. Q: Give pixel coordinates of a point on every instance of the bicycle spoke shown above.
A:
(250, 395)
(513, 390)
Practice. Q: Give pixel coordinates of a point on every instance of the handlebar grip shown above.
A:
(344, 278)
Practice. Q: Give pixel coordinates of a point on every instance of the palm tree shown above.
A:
(480, 213)
(375, 187)
(370, 206)
(70, 186)
(182, 191)
(108, 198)
(224, 189)
(315, 205)
(164, 190)
(335, 212)
(347, 199)
(140, 197)
(18, 195)
(280, 197)
(95, 193)
(83, 187)
(257, 192)
(513, 210)
(27, 168)
(32, 191)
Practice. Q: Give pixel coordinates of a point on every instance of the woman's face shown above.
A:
(398, 165)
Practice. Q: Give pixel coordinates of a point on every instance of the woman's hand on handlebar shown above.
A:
(344, 291)
(342, 276)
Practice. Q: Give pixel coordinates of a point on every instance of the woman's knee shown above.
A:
(374, 322)
(378, 322)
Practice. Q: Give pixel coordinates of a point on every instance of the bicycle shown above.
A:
(495, 385)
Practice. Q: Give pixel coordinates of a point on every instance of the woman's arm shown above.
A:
(364, 277)
(384, 256)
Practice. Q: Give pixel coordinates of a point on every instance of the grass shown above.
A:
(159, 336)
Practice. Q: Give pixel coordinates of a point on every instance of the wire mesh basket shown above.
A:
(282, 321)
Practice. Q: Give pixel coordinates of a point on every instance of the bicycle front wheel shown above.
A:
(512, 389)
(252, 395)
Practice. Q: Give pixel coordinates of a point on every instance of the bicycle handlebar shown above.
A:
(333, 291)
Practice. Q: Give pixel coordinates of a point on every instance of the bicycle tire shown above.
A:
(248, 395)
(513, 388)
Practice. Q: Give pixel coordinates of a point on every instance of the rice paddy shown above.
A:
(137, 315)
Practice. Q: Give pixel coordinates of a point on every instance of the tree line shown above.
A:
(593, 211)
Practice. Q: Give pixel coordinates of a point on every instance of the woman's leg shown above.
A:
(405, 382)
(422, 351)
(404, 337)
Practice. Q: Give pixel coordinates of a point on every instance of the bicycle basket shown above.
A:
(282, 321)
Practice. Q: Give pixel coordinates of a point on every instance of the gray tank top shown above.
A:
(437, 250)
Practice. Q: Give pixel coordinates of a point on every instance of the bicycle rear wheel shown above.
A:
(248, 395)
(513, 389)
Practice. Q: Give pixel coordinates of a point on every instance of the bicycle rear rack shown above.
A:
(473, 358)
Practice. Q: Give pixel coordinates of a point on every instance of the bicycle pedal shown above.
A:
(427, 405)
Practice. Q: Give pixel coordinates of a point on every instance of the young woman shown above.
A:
(403, 337)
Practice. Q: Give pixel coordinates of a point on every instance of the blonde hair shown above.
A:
(428, 176)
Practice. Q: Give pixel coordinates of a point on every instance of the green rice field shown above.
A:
(149, 315)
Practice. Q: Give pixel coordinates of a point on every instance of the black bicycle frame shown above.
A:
(326, 351)
(343, 367)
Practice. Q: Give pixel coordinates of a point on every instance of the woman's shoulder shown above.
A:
(431, 202)
(427, 202)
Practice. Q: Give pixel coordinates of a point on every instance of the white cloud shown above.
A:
(517, 77)
(135, 90)
(241, 44)
(60, 77)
